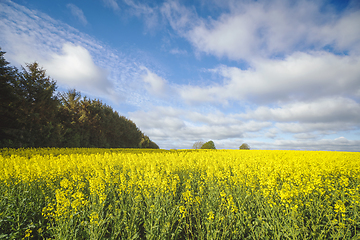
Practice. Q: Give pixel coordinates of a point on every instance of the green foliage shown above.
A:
(208, 145)
(29, 107)
(147, 143)
(37, 108)
(8, 98)
(33, 116)
(244, 146)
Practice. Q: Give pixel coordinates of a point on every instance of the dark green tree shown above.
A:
(38, 107)
(8, 103)
(244, 146)
(33, 116)
(147, 143)
(153, 145)
(208, 145)
(90, 123)
(69, 116)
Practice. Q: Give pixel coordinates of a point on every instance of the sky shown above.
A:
(274, 74)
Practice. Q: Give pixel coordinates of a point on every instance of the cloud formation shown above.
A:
(257, 29)
(184, 127)
(337, 144)
(324, 110)
(72, 58)
(78, 13)
(75, 68)
(149, 14)
(301, 76)
(112, 4)
(155, 84)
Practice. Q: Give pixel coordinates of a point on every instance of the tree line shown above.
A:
(211, 145)
(201, 145)
(33, 114)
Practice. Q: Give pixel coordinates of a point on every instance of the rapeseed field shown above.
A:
(178, 194)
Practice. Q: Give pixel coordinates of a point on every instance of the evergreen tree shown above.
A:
(8, 102)
(38, 106)
(33, 116)
(69, 115)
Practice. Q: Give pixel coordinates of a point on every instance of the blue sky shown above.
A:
(274, 74)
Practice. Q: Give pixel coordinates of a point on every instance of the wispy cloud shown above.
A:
(149, 14)
(178, 51)
(78, 13)
(112, 4)
(74, 59)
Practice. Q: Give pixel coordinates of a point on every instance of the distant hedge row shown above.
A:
(211, 145)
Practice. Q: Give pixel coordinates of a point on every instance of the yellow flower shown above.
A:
(339, 207)
(27, 233)
(210, 216)
(182, 211)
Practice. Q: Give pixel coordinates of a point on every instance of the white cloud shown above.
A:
(177, 51)
(345, 33)
(181, 19)
(155, 84)
(75, 68)
(253, 29)
(335, 109)
(305, 136)
(318, 127)
(271, 133)
(150, 14)
(338, 144)
(298, 77)
(78, 13)
(178, 128)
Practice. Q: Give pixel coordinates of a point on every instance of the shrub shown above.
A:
(244, 146)
(208, 145)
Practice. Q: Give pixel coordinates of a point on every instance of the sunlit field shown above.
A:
(178, 194)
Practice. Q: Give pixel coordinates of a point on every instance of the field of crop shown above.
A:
(183, 194)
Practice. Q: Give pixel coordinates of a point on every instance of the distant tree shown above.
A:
(153, 145)
(197, 145)
(147, 143)
(208, 145)
(244, 146)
